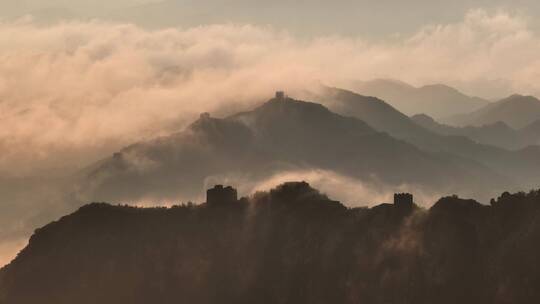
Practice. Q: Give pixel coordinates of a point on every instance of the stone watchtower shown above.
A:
(221, 195)
(403, 201)
(280, 95)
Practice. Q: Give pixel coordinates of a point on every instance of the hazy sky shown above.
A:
(378, 19)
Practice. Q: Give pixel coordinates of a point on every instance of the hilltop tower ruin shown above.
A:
(221, 195)
(403, 201)
(280, 95)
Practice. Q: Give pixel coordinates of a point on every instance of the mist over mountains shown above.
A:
(352, 142)
(155, 81)
(517, 111)
(150, 103)
(289, 245)
(368, 141)
(437, 100)
(497, 134)
(286, 135)
(512, 163)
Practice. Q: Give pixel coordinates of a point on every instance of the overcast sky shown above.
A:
(373, 19)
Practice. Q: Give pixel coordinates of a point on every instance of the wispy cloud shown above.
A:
(73, 92)
(77, 88)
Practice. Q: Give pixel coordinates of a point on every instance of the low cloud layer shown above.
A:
(350, 191)
(73, 92)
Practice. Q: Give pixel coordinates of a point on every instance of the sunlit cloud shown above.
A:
(84, 89)
(75, 92)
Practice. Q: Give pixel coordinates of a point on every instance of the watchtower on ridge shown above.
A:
(221, 195)
(403, 200)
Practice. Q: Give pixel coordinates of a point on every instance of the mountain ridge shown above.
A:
(291, 244)
(278, 136)
(383, 116)
(437, 100)
(517, 111)
(497, 134)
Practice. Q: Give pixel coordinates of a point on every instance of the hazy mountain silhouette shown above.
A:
(497, 134)
(374, 111)
(517, 111)
(532, 132)
(279, 135)
(521, 166)
(436, 100)
(290, 245)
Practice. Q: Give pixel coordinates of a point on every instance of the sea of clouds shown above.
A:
(74, 92)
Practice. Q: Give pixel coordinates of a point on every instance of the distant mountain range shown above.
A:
(280, 135)
(532, 131)
(364, 138)
(517, 111)
(497, 134)
(357, 138)
(518, 165)
(289, 245)
(438, 100)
